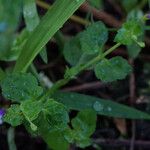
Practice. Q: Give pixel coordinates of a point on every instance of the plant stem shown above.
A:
(11, 139)
(64, 81)
(99, 57)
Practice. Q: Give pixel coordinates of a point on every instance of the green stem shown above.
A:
(64, 81)
(99, 57)
(11, 139)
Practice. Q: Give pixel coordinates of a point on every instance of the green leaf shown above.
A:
(2, 74)
(85, 122)
(84, 125)
(72, 51)
(56, 114)
(30, 14)
(112, 69)
(101, 106)
(31, 109)
(9, 18)
(86, 45)
(77, 137)
(19, 87)
(18, 44)
(134, 49)
(137, 15)
(93, 39)
(54, 139)
(14, 115)
(129, 33)
(32, 20)
(128, 4)
(96, 3)
(49, 25)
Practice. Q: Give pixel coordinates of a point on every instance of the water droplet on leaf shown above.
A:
(98, 106)
(109, 109)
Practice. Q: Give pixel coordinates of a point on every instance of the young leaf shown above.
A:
(19, 87)
(86, 45)
(85, 122)
(83, 127)
(113, 69)
(56, 115)
(134, 49)
(14, 116)
(102, 107)
(54, 139)
(93, 39)
(129, 33)
(49, 25)
(72, 51)
(31, 109)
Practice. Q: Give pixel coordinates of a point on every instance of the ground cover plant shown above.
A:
(48, 63)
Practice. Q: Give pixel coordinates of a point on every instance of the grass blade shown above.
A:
(102, 107)
(49, 25)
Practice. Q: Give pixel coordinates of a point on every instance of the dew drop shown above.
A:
(29, 14)
(98, 106)
(109, 109)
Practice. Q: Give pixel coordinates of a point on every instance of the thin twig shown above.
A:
(101, 15)
(132, 101)
(85, 86)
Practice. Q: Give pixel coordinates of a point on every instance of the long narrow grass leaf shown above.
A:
(49, 25)
(102, 107)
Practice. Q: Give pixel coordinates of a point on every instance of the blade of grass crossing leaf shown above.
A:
(102, 107)
(32, 20)
(49, 25)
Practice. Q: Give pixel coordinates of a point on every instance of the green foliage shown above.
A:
(45, 29)
(51, 123)
(84, 125)
(2, 74)
(112, 69)
(86, 45)
(14, 115)
(32, 20)
(49, 117)
(93, 39)
(18, 44)
(96, 3)
(129, 33)
(79, 102)
(85, 122)
(54, 139)
(9, 17)
(56, 115)
(31, 109)
(137, 15)
(128, 4)
(19, 87)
